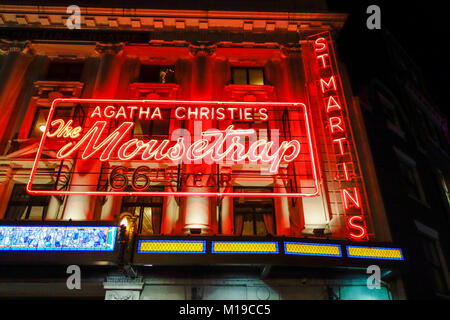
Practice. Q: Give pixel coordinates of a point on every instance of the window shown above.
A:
(410, 176)
(147, 210)
(25, 206)
(411, 180)
(155, 129)
(261, 129)
(433, 264)
(40, 119)
(428, 126)
(156, 74)
(247, 76)
(253, 216)
(64, 71)
(390, 111)
(445, 183)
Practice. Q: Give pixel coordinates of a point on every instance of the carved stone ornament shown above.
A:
(121, 295)
(291, 49)
(205, 48)
(111, 48)
(16, 46)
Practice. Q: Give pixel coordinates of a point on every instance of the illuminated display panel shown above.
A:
(295, 250)
(375, 253)
(57, 238)
(171, 246)
(254, 247)
(107, 148)
(312, 249)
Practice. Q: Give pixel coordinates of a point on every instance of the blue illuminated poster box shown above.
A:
(57, 238)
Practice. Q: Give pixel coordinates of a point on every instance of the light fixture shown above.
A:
(42, 127)
(195, 230)
(124, 222)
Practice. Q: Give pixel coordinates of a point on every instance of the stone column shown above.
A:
(110, 208)
(53, 208)
(282, 215)
(227, 217)
(6, 186)
(170, 214)
(60, 176)
(109, 72)
(293, 74)
(316, 215)
(315, 211)
(81, 207)
(12, 73)
(199, 211)
(119, 79)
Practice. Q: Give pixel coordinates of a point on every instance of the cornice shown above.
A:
(152, 19)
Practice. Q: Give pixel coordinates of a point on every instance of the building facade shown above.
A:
(409, 139)
(176, 154)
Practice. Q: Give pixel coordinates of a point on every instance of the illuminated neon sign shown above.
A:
(158, 150)
(268, 139)
(329, 87)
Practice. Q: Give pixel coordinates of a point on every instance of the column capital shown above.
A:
(16, 46)
(290, 49)
(9, 172)
(226, 177)
(282, 178)
(111, 48)
(202, 48)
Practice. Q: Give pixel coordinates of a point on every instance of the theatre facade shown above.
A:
(176, 154)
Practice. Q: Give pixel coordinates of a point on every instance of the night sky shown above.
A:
(422, 27)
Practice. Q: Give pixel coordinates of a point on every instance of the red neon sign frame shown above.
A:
(174, 193)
